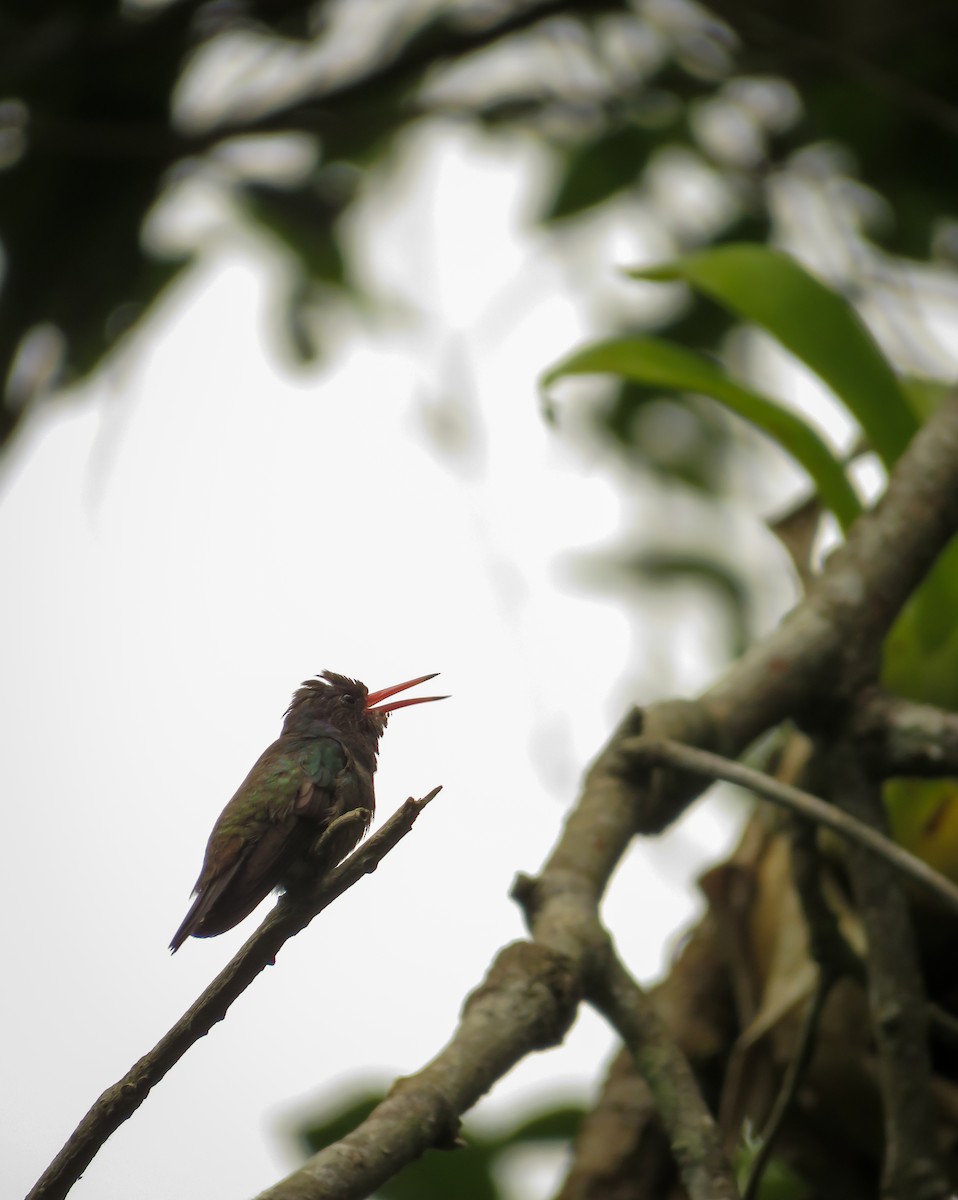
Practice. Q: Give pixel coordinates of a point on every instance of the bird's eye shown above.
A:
(348, 699)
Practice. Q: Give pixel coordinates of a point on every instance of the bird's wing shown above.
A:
(258, 831)
(321, 761)
(204, 904)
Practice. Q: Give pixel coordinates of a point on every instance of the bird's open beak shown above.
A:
(373, 699)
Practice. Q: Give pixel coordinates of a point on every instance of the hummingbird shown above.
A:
(305, 804)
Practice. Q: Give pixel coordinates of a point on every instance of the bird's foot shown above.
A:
(356, 822)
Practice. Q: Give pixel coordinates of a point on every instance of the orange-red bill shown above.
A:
(373, 700)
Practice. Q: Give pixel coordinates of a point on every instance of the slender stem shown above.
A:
(703, 762)
(912, 1168)
(790, 1085)
(690, 1127)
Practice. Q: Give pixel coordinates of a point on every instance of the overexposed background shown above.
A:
(202, 529)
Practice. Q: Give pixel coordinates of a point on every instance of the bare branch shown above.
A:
(835, 958)
(903, 738)
(912, 1167)
(527, 1002)
(621, 1148)
(790, 1085)
(289, 916)
(714, 766)
(826, 941)
(692, 1132)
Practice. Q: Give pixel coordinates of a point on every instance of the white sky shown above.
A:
(195, 536)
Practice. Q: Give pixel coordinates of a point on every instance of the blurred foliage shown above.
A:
(820, 328)
(665, 567)
(666, 364)
(772, 291)
(468, 1172)
(105, 106)
(677, 436)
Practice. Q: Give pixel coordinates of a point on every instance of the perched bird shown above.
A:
(305, 804)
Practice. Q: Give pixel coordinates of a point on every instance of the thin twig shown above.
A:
(714, 766)
(912, 1167)
(826, 943)
(835, 959)
(621, 1147)
(289, 916)
(691, 1129)
(790, 1085)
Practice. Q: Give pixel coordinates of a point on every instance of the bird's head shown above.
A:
(347, 705)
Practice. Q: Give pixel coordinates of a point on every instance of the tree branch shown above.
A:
(912, 1167)
(527, 1002)
(856, 599)
(289, 916)
(694, 1138)
(849, 827)
(903, 738)
(827, 943)
(621, 1148)
(834, 957)
(790, 1085)
(530, 994)
(692, 1132)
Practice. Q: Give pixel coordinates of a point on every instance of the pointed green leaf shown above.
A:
(660, 363)
(817, 325)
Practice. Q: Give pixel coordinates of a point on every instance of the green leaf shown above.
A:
(926, 395)
(599, 169)
(660, 363)
(921, 651)
(817, 325)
